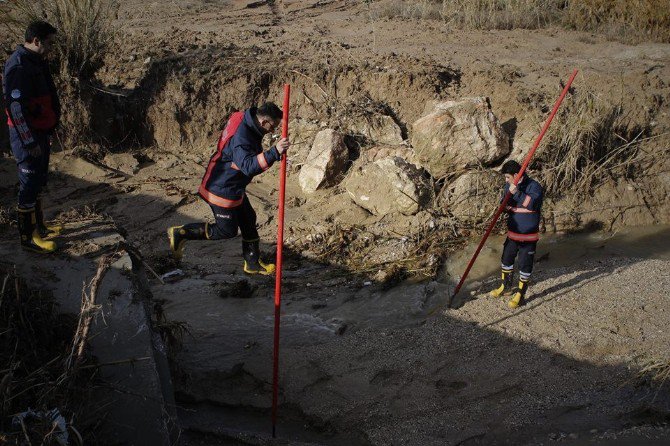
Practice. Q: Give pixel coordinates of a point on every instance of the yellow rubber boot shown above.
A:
(179, 234)
(252, 259)
(177, 242)
(30, 236)
(53, 230)
(505, 288)
(519, 297)
(264, 269)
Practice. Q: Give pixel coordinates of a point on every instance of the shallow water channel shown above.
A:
(223, 373)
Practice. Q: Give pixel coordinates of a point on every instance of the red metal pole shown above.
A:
(516, 180)
(280, 246)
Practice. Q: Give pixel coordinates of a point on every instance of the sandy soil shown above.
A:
(362, 363)
(366, 365)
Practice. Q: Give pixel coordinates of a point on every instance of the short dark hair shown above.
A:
(270, 110)
(511, 167)
(39, 29)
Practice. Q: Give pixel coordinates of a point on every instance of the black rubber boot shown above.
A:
(30, 236)
(252, 259)
(505, 288)
(44, 230)
(179, 234)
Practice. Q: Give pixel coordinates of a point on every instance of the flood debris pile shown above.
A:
(41, 399)
(412, 214)
(422, 194)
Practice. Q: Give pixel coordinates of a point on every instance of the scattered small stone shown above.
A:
(173, 276)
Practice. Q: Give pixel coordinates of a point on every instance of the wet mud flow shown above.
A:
(223, 373)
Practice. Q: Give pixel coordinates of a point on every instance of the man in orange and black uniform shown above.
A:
(523, 223)
(238, 158)
(33, 112)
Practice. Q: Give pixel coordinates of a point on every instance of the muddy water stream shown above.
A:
(224, 371)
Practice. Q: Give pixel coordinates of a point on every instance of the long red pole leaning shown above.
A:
(280, 246)
(516, 180)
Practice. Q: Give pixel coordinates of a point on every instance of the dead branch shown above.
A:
(88, 310)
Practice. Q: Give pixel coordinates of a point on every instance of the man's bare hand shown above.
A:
(512, 188)
(282, 145)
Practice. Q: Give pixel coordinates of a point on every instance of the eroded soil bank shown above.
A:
(370, 353)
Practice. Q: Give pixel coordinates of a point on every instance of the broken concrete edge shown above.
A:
(160, 351)
(141, 409)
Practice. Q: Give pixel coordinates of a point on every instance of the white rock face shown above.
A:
(457, 134)
(390, 185)
(325, 163)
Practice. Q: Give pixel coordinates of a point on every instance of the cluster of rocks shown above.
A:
(453, 142)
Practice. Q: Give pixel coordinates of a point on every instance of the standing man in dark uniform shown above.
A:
(238, 158)
(33, 112)
(523, 223)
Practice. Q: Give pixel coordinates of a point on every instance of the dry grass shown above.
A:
(655, 373)
(81, 214)
(84, 29)
(625, 20)
(490, 14)
(7, 216)
(588, 141)
(172, 332)
(382, 252)
(628, 20)
(477, 14)
(422, 9)
(34, 343)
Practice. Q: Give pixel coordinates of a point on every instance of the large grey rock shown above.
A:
(390, 185)
(325, 162)
(380, 129)
(457, 134)
(474, 195)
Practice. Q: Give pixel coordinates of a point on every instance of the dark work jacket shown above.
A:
(31, 99)
(524, 207)
(238, 158)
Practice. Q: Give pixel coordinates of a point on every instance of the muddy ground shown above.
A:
(364, 360)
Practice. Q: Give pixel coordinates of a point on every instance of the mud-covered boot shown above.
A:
(46, 231)
(252, 259)
(519, 297)
(30, 235)
(505, 288)
(179, 234)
